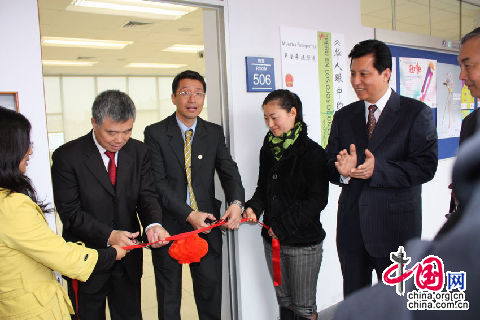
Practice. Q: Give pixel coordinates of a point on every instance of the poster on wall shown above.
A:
(467, 101)
(393, 76)
(314, 66)
(449, 92)
(418, 79)
(445, 110)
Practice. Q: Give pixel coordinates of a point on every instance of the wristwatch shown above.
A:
(238, 203)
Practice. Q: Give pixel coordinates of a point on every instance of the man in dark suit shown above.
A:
(392, 150)
(186, 151)
(100, 182)
(469, 59)
(458, 246)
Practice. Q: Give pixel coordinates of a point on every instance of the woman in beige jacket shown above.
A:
(29, 249)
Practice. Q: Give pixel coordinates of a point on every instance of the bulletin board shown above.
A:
(447, 147)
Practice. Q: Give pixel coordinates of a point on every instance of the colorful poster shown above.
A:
(418, 79)
(314, 66)
(449, 91)
(393, 76)
(467, 101)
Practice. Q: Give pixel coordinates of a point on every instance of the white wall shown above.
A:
(253, 29)
(21, 71)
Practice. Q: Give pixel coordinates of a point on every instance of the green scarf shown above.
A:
(279, 145)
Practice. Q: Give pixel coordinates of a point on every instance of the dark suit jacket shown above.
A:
(458, 249)
(385, 210)
(90, 207)
(209, 153)
(469, 125)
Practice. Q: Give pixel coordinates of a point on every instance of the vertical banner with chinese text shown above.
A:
(325, 80)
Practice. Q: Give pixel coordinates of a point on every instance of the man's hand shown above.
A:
(197, 220)
(346, 162)
(365, 170)
(234, 215)
(250, 215)
(156, 233)
(122, 238)
(120, 252)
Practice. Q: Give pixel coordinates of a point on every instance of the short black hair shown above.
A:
(113, 104)
(188, 74)
(472, 34)
(287, 100)
(380, 51)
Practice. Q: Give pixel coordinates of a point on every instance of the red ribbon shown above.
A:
(277, 278)
(277, 275)
(75, 289)
(179, 236)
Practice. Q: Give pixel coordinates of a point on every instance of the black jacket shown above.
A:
(292, 192)
(90, 207)
(209, 154)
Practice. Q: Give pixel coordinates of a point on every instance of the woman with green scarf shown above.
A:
(291, 192)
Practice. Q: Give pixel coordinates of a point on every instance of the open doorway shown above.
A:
(91, 48)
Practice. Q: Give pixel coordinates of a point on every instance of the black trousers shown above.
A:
(357, 266)
(124, 296)
(206, 277)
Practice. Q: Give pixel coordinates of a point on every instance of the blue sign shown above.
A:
(260, 74)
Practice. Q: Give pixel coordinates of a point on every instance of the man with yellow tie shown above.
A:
(186, 151)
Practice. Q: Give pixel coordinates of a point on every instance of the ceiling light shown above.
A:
(190, 48)
(155, 65)
(138, 8)
(86, 43)
(68, 63)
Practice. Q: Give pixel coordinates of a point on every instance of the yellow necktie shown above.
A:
(187, 151)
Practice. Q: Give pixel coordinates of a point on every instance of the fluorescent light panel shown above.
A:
(71, 63)
(154, 65)
(184, 48)
(85, 43)
(138, 8)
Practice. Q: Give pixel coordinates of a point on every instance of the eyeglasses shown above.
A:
(196, 95)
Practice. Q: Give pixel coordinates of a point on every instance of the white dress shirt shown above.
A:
(381, 103)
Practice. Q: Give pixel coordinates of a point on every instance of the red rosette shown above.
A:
(189, 249)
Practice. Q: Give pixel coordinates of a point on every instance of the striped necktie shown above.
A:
(187, 151)
(372, 122)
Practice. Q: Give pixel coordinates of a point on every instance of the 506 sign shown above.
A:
(262, 79)
(260, 74)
